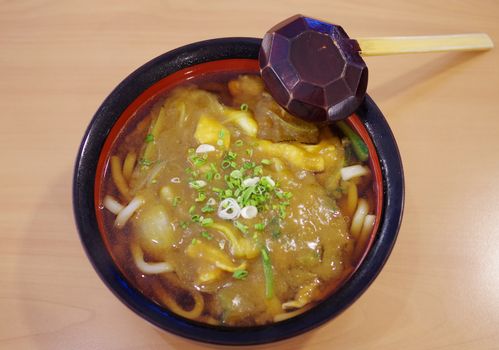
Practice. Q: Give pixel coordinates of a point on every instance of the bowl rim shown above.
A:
(84, 208)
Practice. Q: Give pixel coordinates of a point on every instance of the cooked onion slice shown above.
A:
(251, 181)
(145, 267)
(127, 212)
(229, 209)
(111, 204)
(249, 212)
(205, 148)
(352, 171)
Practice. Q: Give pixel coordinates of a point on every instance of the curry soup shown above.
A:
(223, 208)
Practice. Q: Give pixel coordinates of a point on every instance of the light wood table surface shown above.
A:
(60, 59)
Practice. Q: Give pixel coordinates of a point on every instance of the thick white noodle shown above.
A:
(111, 204)
(127, 212)
(368, 225)
(358, 217)
(294, 304)
(145, 267)
(352, 171)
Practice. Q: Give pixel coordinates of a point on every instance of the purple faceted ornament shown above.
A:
(313, 69)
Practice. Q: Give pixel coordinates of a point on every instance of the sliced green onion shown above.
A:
(206, 221)
(359, 147)
(225, 164)
(201, 197)
(269, 275)
(241, 227)
(240, 274)
(149, 138)
(217, 190)
(258, 170)
(244, 107)
(208, 209)
(192, 209)
(198, 161)
(206, 235)
(145, 162)
(249, 165)
(175, 201)
(260, 226)
(236, 174)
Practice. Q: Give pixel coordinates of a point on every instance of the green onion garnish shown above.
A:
(207, 209)
(206, 221)
(206, 235)
(240, 274)
(175, 201)
(242, 227)
(201, 197)
(260, 226)
(145, 162)
(192, 209)
(269, 275)
(236, 174)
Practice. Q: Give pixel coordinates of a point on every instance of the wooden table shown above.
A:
(60, 59)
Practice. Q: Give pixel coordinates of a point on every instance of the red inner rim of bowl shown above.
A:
(228, 65)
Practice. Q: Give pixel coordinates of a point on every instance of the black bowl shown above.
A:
(85, 211)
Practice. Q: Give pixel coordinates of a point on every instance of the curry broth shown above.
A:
(242, 271)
